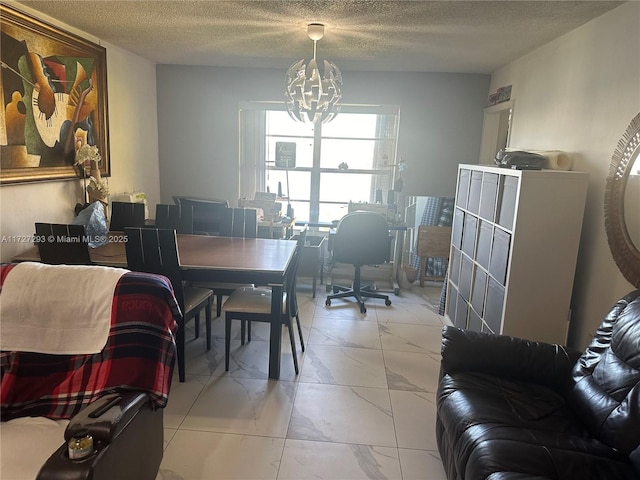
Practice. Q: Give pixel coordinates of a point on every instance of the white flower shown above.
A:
(99, 186)
(87, 153)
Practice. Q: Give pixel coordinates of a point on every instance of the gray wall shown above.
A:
(440, 123)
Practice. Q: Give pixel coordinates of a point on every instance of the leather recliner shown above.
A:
(116, 396)
(514, 409)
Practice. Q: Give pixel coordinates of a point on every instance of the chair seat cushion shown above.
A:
(195, 296)
(493, 424)
(252, 300)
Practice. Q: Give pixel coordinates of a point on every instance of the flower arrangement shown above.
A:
(87, 158)
(98, 188)
(87, 153)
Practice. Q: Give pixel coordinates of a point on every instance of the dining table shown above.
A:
(259, 261)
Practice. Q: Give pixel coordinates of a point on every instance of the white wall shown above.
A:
(133, 132)
(578, 94)
(440, 123)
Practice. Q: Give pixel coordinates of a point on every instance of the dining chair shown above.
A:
(178, 217)
(62, 244)
(126, 214)
(253, 304)
(240, 223)
(155, 250)
(207, 213)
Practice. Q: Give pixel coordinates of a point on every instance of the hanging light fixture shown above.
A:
(311, 94)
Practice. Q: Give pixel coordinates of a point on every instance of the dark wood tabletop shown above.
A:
(259, 261)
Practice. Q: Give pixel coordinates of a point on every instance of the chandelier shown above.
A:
(312, 94)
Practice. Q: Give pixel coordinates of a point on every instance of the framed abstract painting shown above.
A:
(54, 90)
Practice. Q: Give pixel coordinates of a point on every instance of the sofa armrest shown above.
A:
(542, 363)
(105, 418)
(127, 433)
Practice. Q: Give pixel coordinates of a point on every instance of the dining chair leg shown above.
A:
(207, 313)
(293, 347)
(197, 324)
(218, 305)
(227, 341)
(243, 329)
(180, 346)
(300, 332)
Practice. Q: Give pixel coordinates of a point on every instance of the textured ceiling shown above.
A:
(420, 36)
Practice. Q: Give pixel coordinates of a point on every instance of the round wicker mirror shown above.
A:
(619, 214)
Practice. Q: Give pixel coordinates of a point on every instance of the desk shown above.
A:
(220, 259)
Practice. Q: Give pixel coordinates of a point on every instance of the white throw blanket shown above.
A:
(58, 309)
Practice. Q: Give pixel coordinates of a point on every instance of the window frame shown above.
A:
(253, 151)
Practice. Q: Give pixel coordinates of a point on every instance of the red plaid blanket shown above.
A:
(139, 355)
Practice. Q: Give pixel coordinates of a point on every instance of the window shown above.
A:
(348, 159)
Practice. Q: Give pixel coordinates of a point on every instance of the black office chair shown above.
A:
(62, 244)
(154, 250)
(253, 304)
(126, 214)
(362, 238)
(175, 217)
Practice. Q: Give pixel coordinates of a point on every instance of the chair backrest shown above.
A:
(226, 225)
(362, 238)
(62, 244)
(606, 379)
(126, 214)
(207, 213)
(154, 250)
(250, 223)
(292, 299)
(240, 223)
(237, 227)
(176, 217)
(302, 236)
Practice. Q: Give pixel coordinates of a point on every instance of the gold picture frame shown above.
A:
(54, 89)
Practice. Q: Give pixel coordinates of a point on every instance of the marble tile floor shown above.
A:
(362, 407)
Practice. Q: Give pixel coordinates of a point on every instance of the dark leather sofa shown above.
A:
(514, 409)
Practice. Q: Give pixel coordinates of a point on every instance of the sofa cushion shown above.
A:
(606, 393)
(39, 436)
(493, 424)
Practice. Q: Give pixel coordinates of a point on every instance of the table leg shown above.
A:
(275, 337)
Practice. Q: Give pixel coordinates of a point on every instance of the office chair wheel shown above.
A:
(328, 303)
(363, 309)
(387, 302)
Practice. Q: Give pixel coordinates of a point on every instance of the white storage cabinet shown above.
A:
(514, 248)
